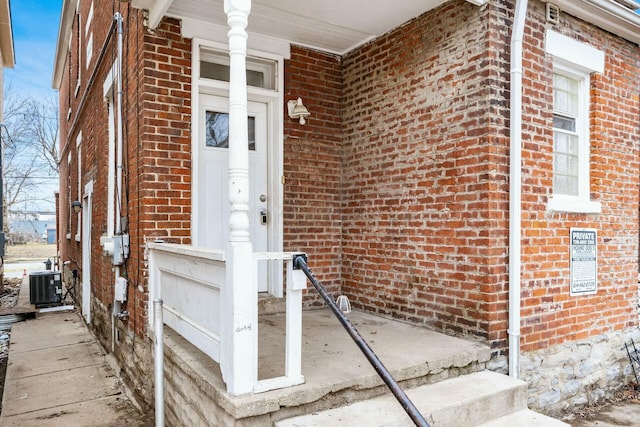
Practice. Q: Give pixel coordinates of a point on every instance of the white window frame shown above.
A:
(79, 50)
(69, 208)
(89, 36)
(79, 164)
(107, 91)
(89, 52)
(89, 19)
(578, 61)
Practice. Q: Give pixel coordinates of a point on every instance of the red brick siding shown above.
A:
(425, 179)
(425, 173)
(550, 315)
(312, 164)
(159, 147)
(156, 198)
(397, 187)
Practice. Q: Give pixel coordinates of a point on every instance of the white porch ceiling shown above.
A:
(340, 25)
(335, 26)
(330, 25)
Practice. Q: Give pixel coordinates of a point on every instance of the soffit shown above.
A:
(330, 25)
(338, 26)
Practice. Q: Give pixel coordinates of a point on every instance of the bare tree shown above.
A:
(30, 150)
(41, 119)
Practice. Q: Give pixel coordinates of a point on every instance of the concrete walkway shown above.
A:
(58, 375)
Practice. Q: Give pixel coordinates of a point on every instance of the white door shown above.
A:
(213, 159)
(86, 252)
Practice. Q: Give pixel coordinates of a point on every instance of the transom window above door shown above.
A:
(261, 73)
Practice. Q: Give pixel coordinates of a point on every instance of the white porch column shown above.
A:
(239, 358)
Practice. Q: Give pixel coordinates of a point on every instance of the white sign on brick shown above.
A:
(584, 261)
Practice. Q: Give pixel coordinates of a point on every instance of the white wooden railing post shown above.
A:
(239, 342)
(296, 283)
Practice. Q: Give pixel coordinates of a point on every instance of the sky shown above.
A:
(35, 32)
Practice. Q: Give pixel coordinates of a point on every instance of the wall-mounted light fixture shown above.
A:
(76, 205)
(297, 110)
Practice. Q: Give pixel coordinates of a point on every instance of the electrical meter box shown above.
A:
(45, 288)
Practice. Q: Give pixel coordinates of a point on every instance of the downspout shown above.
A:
(515, 187)
(118, 230)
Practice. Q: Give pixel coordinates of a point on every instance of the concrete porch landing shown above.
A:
(330, 358)
(335, 370)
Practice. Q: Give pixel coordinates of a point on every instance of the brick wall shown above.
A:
(550, 315)
(425, 172)
(425, 179)
(312, 165)
(156, 170)
(159, 151)
(397, 187)
(157, 145)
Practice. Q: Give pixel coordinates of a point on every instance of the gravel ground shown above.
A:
(600, 414)
(8, 298)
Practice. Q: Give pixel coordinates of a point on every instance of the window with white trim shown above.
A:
(79, 198)
(78, 50)
(70, 200)
(570, 130)
(573, 64)
(89, 49)
(89, 37)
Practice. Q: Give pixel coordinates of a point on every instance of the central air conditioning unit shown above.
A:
(45, 288)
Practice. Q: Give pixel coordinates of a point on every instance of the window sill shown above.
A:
(573, 205)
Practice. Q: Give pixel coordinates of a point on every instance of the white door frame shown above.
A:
(87, 205)
(275, 116)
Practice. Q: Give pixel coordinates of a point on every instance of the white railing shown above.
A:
(296, 283)
(191, 283)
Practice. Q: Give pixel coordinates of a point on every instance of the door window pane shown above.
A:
(217, 130)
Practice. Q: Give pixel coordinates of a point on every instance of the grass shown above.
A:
(30, 251)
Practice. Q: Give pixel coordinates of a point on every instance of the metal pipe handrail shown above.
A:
(300, 262)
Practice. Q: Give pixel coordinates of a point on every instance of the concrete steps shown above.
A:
(524, 418)
(478, 399)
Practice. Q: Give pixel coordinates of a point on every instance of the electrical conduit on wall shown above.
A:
(118, 223)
